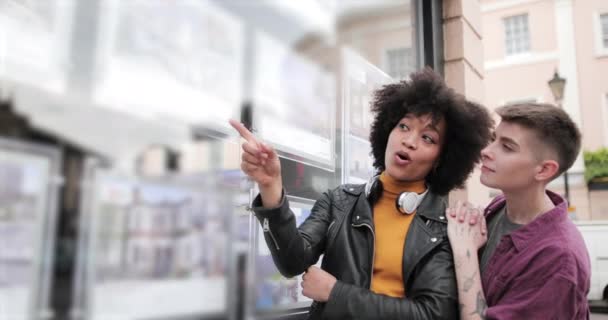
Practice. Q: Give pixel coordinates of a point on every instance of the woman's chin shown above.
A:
(399, 175)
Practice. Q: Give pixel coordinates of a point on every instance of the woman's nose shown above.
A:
(409, 141)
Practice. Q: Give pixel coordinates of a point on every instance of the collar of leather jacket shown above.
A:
(432, 207)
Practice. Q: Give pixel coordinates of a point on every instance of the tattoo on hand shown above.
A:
(481, 307)
(468, 282)
(468, 254)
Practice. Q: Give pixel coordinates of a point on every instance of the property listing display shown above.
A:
(360, 79)
(272, 291)
(161, 243)
(295, 103)
(123, 192)
(177, 62)
(34, 42)
(27, 212)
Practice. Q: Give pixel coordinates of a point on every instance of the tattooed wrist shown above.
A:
(468, 282)
(481, 306)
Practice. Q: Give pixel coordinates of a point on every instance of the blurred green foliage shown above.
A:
(596, 165)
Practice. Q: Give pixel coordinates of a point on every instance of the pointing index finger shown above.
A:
(243, 131)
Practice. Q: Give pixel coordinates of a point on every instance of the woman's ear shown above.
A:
(547, 170)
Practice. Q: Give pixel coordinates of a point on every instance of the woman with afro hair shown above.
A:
(385, 248)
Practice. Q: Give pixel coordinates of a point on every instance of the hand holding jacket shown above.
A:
(317, 284)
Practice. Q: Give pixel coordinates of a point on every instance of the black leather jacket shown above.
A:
(341, 227)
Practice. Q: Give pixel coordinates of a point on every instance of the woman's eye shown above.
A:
(429, 139)
(403, 126)
(507, 147)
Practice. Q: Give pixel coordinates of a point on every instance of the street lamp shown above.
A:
(557, 85)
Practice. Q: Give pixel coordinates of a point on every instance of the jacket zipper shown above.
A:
(421, 255)
(373, 250)
(330, 225)
(266, 228)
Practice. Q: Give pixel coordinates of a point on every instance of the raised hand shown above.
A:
(261, 163)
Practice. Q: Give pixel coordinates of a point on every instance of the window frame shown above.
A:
(386, 61)
(521, 45)
(601, 38)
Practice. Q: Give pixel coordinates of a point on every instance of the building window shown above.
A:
(399, 62)
(517, 34)
(604, 27)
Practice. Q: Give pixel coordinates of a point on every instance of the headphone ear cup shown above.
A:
(407, 202)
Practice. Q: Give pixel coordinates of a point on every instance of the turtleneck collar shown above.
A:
(392, 188)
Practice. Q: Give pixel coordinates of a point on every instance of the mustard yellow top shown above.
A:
(391, 229)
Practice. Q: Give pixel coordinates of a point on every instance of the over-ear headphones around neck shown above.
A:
(406, 202)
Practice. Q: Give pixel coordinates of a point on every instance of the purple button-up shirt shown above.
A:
(539, 271)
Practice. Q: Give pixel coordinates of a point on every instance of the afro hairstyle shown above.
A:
(469, 125)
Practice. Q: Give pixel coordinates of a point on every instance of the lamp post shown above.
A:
(557, 85)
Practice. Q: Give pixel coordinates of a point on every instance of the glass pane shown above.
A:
(158, 239)
(136, 96)
(273, 291)
(517, 37)
(604, 22)
(27, 211)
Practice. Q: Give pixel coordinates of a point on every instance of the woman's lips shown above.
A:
(402, 160)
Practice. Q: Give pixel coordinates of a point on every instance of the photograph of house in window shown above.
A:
(156, 240)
